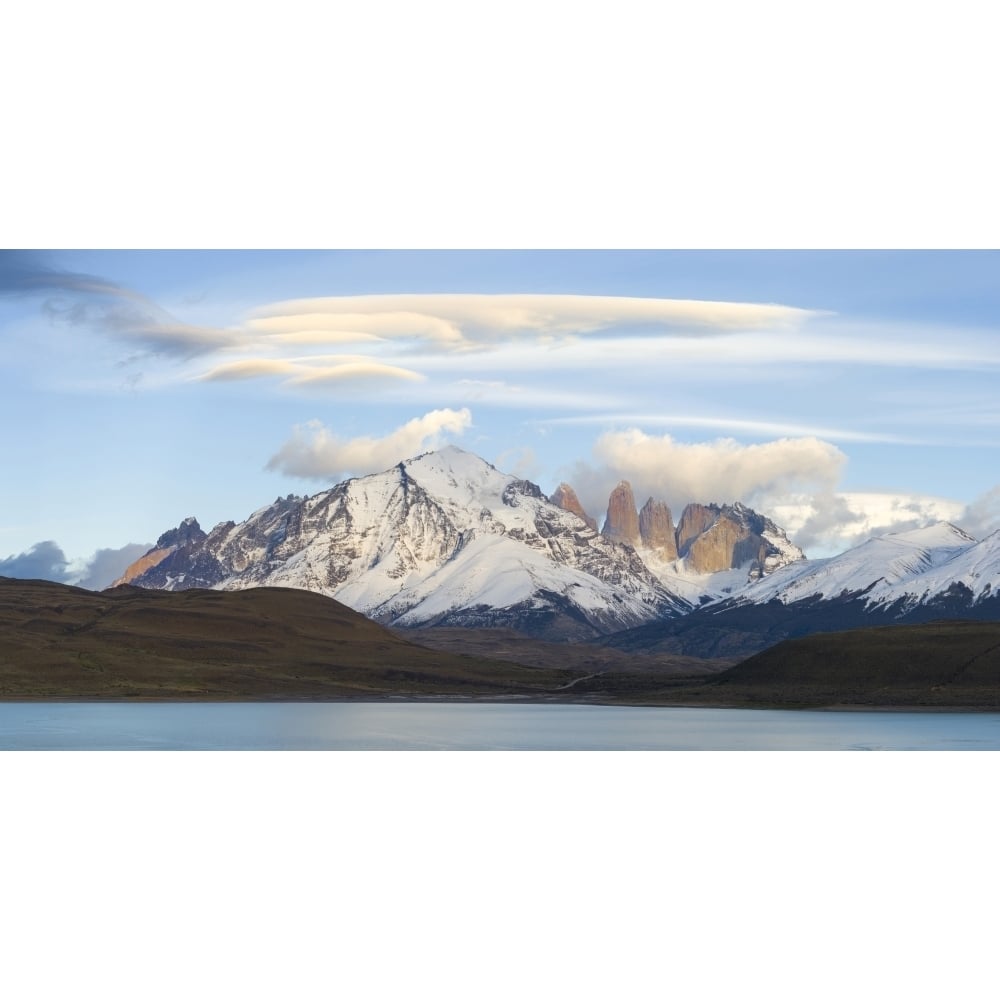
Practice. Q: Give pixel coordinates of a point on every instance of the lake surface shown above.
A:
(423, 726)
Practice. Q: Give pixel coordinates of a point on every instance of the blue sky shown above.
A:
(841, 392)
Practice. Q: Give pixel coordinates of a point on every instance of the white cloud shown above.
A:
(468, 321)
(826, 523)
(308, 371)
(47, 561)
(715, 471)
(736, 425)
(982, 516)
(315, 452)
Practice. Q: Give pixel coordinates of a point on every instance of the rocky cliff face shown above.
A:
(188, 532)
(566, 498)
(622, 521)
(717, 547)
(713, 538)
(695, 520)
(656, 529)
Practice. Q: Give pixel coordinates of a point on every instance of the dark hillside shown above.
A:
(940, 663)
(63, 642)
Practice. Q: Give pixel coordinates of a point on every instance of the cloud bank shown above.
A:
(982, 516)
(43, 561)
(309, 371)
(47, 561)
(117, 311)
(722, 470)
(827, 522)
(315, 452)
(457, 322)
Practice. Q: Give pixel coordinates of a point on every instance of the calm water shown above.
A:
(410, 726)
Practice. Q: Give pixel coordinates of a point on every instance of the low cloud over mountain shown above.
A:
(47, 561)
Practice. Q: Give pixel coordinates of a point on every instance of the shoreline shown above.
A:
(509, 700)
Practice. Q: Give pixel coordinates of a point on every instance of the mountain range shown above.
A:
(445, 539)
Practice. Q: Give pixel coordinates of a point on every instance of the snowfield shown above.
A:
(911, 566)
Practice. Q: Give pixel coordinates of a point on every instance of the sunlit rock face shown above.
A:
(696, 518)
(566, 497)
(656, 529)
(713, 538)
(622, 521)
(188, 532)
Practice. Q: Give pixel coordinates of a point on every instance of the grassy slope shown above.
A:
(936, 665)
(274, 643)
(63, 642)
(939, 664)
(506, 644)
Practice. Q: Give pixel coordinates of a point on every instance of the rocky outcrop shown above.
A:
(656, 529)
(716, 548)
(566, 498)
(144, 563)
(713, 538)
(695, 520)
(622, 522)
(188, 532)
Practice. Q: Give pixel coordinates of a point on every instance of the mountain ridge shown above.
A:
(443, 539)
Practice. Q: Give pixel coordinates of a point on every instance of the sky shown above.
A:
(842, 393)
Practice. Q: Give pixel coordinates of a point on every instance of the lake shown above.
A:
(454, 726)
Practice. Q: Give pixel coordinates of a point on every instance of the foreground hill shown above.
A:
(63, 642)
(940, 664)
(275, 643)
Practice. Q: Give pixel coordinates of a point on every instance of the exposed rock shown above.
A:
(622, 522)
(695, 520)
(566, 498)
(713, 538)
(152, 558)
(656, 528)
(188, 532)
(720, 546)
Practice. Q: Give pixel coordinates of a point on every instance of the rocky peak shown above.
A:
(656, 528)
(695, 520)
(188, 531)
(566, 498)
(725, 544)
(713, 538)
(622, 522)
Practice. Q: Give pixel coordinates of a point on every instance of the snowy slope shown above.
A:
(911, 566)
(444, 537)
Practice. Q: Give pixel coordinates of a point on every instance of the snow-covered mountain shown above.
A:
(447, 539)
(900, 570)
(914, 576)
(444, 538)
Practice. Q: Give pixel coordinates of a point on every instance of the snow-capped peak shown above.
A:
(906, 565)
(440, 538)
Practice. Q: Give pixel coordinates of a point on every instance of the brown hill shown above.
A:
(63, 642)
(933, 665)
